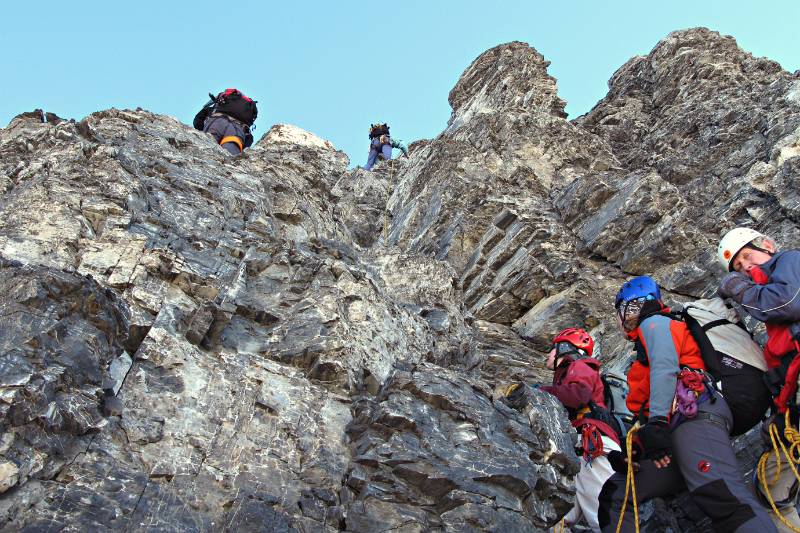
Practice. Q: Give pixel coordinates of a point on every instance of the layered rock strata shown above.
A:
(273, 342)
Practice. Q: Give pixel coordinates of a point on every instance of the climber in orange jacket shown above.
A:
(685, 440)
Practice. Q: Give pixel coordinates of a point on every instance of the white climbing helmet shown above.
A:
(732, 242)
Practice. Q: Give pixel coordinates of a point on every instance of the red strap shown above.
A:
(790, 385)
(598, 425)
(591, 441)
(229, 92)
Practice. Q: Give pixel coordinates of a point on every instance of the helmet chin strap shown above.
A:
(760, 249)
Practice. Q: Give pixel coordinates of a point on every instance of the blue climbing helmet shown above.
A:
(631, 299)
(641, 287)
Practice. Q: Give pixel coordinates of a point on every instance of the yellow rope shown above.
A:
(792, 436)
(561, 529)
(630, 482)
(792, 457)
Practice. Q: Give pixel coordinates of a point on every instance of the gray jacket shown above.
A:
(220, 125)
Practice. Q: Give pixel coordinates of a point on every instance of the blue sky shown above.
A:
(335, 67)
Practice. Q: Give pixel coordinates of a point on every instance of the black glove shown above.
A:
(617, 461)
(733, 286)
(655, 438)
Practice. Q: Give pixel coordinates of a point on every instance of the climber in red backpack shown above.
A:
(228, 117)
(766, 283)
(578, 386)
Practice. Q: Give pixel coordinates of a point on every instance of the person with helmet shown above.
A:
(576, 375)
(381, 144)
(578, 386)
(766, 283)
(684, 442)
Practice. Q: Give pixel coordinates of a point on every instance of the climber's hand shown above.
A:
(619, 461)
(733, 286)
(656, 441)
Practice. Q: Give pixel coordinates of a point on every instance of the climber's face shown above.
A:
(748, 257)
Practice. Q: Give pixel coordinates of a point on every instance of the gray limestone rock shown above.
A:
(455, 458)
(273, 342)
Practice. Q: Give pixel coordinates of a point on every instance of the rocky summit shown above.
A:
(271, 342)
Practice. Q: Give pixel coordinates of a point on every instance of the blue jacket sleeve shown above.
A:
(400, 145)
(664, 368)
(778, 300)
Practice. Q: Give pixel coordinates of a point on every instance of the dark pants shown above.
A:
(375, 147)
(702, 462)
(220, 127)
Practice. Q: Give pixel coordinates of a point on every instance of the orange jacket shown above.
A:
(666, 347)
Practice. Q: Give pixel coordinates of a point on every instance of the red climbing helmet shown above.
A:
(578, 338)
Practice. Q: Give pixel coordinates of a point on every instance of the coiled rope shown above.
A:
(792, 455)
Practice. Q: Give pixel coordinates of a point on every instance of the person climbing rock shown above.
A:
(766, 284)
(578, 386)
(683, 442)
(381, 144)
(229, 117)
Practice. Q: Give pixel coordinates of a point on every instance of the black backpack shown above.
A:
(376, 130)
(732, 358)
(232, 103)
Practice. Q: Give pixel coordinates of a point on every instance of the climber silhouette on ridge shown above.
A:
(228, 117)
(381, 144)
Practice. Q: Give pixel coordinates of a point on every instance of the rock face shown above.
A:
(273, 342)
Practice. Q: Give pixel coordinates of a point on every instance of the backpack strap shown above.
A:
(707, 351)
(596, 424)
(714, 323)
(641, 353)
(235, 120)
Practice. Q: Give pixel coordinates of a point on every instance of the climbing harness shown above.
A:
(630, 482)
(594, 422)
(792, 436)
(690, 387)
